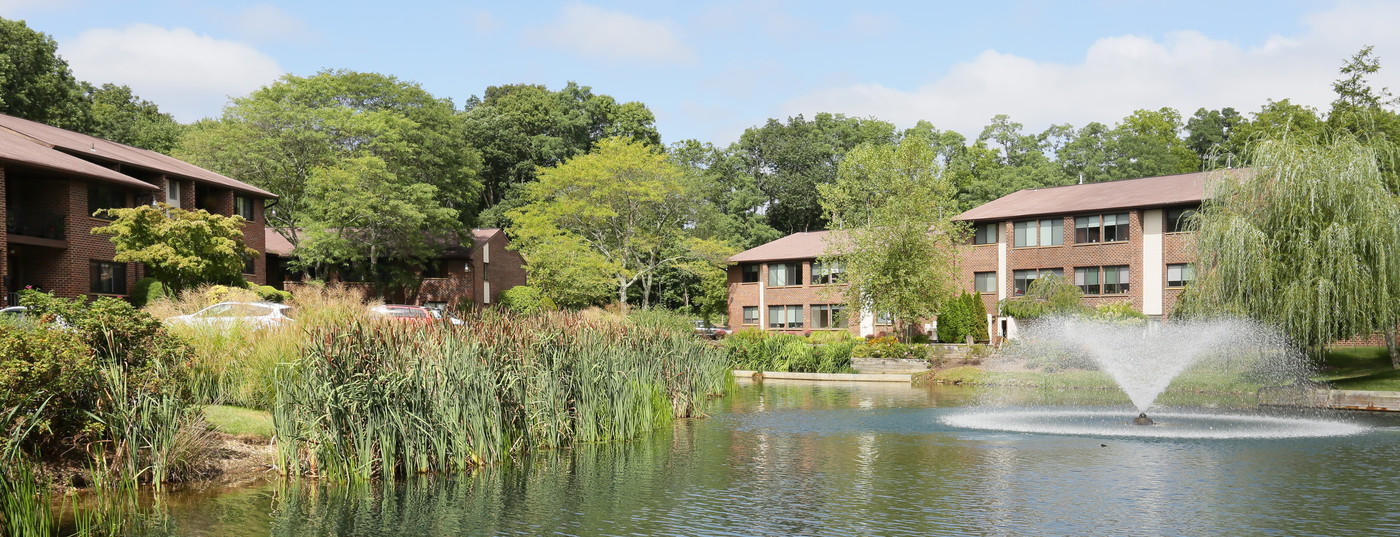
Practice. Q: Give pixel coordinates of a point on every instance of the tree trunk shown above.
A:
(646, 292)
(1392, 348)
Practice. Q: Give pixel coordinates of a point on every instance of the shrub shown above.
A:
(977, 317)
(953, 321)
(147, 290)
(819, 337)
(523, 299)
(1119, 312)
(268, 293)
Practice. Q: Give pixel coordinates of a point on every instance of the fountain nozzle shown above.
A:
(1142, 419)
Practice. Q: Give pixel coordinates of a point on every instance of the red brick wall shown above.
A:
(4, 244)
(1071, 256)
(1176, 248)
(805, 295)
(507, 268)
(254, 237)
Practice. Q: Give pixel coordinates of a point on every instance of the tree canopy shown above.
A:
(1309, 242)
(35, 83)
(334, 122)
(623, 209)
(896, 240)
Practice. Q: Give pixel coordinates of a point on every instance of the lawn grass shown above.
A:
(239, 421)
(1360, 368)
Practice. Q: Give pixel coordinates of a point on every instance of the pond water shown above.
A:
(857, 459)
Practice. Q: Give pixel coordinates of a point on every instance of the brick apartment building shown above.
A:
(52, 180)
(474, 274)
(1119, 241)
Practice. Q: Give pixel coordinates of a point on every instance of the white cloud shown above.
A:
(1186, 70)
(188, 75)
(266, 23)
(611, 36)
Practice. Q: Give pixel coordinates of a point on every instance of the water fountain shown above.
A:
(1143, 359)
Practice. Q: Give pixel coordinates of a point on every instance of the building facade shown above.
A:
(53, 180)
(472, 274)
(1120, 241)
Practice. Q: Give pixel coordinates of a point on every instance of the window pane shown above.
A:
(1086, 229)
(775, 316)
(750, 314)
(749, 273)
(986, 234)
(794, 316)
(985, 282)
(1052, 232)
(777, 274)
(1025, 234)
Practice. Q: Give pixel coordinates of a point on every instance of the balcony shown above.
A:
(42, 228)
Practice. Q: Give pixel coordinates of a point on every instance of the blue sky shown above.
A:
(711, 69)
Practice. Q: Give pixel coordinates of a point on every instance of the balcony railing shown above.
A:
(33, 223)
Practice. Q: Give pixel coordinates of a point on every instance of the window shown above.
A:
(1105, 228)
(826, 273)
(243, 206)
(1052, 232)
(1115, 280)
(748, 273)
(828, 316)
(985, 234)
(1180, 275)
(1115, 227)
(985, 282)
(1047, 232)
(780, 274)
(750, 314)
(108, 278)
(884, 317)
(784, 316)
(1021, 279)
(249, 265)
(104, 197)
(1175, 220)
(1086, 229)
(1024, 233)
(1087, 278)
(434, 269)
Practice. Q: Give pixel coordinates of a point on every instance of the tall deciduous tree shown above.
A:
(1309, 242)
(180, 248)
(281, 135)
(625, 201)
(895, 237)
(790, 160)
(361, 212)
(121, 116)
(35, 83)
(522, 127)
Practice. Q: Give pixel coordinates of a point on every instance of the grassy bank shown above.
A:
(379, 400)
(1360, 368)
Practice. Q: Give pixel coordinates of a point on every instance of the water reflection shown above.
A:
(799, 459)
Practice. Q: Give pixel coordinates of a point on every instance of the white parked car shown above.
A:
(21, 314)
(253, 314)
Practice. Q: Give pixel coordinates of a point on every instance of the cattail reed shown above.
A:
(379, 400)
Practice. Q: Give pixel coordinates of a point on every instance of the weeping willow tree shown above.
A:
(1309, 242)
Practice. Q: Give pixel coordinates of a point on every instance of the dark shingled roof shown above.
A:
(276, 244)
(67, 143)
(17, 148)
(1147, 192)
(804, 245)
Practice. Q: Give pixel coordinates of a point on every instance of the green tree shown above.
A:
(953, 321)
(120, 116)
(35, 83)
(1210, 134)
(281, 135)
(789, 161)
(1308, 242)
(896, 239)
(1048, 295)
(180, 248)
(360, 212)
(1148, 143)
(1277, 120)
(733, 201)
(520, 128)
(625, 201)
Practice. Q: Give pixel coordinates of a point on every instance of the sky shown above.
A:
(709, 70)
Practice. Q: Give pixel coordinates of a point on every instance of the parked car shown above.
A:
(412, 314)
(254, 314)
(19, 313)
(709, 331)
